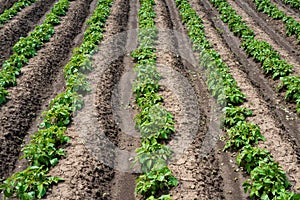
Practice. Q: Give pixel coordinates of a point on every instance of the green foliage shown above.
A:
(293, 3)
(267, 181)
(249, 157)
(28, 184)
(242, 134)
(42, 149)
(152, 155)
(154, 122)
(291, 25)
(233, 115)
(292, 86)
(262, 51)
(156, 180)
(268, 8)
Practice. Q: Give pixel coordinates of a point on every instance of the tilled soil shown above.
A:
(20, 25)
(103, 136)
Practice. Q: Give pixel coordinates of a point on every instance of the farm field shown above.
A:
(150, 99)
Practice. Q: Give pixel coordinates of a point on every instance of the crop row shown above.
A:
(43, 151)
(293, 3)
(154, 122)
(262, 52)
(291, 25)
(267, 179)
(27, 47)
(13, 11)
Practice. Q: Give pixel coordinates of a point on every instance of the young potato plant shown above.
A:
(233, 115)
(28, 184)
(43, 151)
(242, 134)
(292, 86)
(249, 157)
(158, 179)
(152, 154)
(267, 181)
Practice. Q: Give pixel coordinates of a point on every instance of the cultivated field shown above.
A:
(90, 87)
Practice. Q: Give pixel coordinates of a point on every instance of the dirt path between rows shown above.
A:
(20, 25)
(35, 86)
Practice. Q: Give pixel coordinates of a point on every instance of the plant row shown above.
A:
(154, 122)
(13, 11)
(262, 52)
(27, 47)
(291, 25)
(267, 179)
(44, 149)
(293, 3)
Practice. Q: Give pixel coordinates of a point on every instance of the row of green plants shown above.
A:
(44, 149)
(267, 179)
(27, 47)
(155, 123)
(262, 52)
(267, 7)
(13, 11)
(293, 3)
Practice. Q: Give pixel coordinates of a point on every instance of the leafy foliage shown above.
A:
(262, 51)
(156, 180)
(242, 134)
(267, 181)
(28, 184)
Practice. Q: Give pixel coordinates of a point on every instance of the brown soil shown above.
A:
(5, 4)
(20, 25)
(35, 86)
